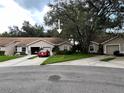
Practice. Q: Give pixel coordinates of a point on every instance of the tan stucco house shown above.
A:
(109, 45)
(114, 44)
(31, 45)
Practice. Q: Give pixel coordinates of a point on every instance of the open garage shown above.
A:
(34, 50)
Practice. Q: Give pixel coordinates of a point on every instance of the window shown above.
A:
(91, 48)
(23, 49)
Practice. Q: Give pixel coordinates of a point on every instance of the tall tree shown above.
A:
(32, 31)
(27, 30)
(14, 31)
(82, 19)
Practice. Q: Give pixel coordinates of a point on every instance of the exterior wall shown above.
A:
(40, 44)
(111, 48)
(117, 41)
(19, 49)
(95, 46)
(9, 50)
(65, 46)
(2, 48)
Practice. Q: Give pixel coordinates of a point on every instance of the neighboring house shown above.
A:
(31, 45)
(114, 44)
(108, 45)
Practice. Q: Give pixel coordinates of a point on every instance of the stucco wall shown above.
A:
(65, 46)
(117, 41)
(10, 49)
(2, 48)
(40, 44)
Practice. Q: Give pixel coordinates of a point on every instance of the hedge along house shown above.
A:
(31, 45)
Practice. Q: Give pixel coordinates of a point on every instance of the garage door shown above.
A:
(47, 48)
(111, 48)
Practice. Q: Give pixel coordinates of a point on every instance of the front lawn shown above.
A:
(5, 58)
(63, 58)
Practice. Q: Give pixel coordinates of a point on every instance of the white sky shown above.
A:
(13, 14)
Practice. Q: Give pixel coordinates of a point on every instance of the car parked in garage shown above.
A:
(43, 53)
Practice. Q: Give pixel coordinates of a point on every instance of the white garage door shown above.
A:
(49, 49)
(111, 48)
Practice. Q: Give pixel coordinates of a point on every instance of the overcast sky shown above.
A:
(14, 12)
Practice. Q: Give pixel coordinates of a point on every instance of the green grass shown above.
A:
(32, 57)
(108, 59)
(63, 58)
(6, 58)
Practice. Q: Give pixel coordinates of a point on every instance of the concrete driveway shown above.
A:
(95, 61)
(23, 61)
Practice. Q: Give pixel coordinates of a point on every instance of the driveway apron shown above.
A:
(23, 61)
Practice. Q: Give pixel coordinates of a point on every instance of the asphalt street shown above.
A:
(61, 79)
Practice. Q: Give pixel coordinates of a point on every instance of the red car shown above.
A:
(43, 53)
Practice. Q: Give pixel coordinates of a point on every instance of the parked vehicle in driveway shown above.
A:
(43, 53)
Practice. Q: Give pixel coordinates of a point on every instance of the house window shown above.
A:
(23, 49)
(91, 48)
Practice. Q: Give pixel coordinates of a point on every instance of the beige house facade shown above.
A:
(109, 46)
(31, 45)
(112, 45)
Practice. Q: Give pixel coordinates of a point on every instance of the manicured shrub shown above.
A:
(65, 52)
(76, 48)
(23, 53)
(117, 53)
(60, 52)
(2, 53)
(69, 52)
(55, 49)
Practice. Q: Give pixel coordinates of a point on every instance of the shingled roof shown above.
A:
(101, 39)
(28, 40)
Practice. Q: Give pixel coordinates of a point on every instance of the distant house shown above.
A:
(108, 45)
(31, 45)
(113, 44)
